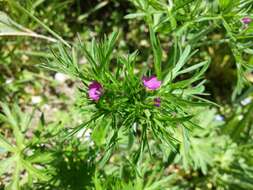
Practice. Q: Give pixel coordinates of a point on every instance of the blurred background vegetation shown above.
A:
(38, 104)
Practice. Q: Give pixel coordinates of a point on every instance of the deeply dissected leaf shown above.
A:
(34, 171)
(5, 144)
(6, 165)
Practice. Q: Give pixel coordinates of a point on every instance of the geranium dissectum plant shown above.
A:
(123, 99)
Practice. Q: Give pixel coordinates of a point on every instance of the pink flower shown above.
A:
(95, 90)
(246, 20)
(157, 102)
(151, 83)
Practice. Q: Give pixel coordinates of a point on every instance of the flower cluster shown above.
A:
(95, 89)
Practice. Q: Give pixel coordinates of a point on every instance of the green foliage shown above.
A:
(54, 136)
(193, 23)
(125, 105)
(21, 157)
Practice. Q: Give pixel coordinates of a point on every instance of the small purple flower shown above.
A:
(246, 20)
(95, 90)
(157, 102)
(151, 83)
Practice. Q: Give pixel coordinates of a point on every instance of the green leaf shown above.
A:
(109, 46)
(181, 62)
(12, 119)
(224, 3)
(6, 164)
(157, 51)
(228, 5)
(106, 157)
(187, 82)
(97, 182)
(18, 6)
(41, 157)
(14, 185)
(244, 123)
(64, 62)
(193, 67)
(34, 171)
(10, 28)
(161, 184)
(185, 145)
(109, 149)
(5, 144)
(100, 131)
(181, 4)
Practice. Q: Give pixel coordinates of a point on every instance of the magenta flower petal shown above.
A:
(151, 83)
(157, 102)
(95, 90)
(246, 20)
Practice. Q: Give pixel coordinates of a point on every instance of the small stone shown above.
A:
(36, 99)
(60, 77)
